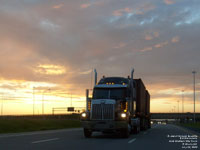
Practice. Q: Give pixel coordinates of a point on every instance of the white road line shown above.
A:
(47, 140)
(154, 126)
(131, 141)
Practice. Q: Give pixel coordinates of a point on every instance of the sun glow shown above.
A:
(49, 69)
(18, 97)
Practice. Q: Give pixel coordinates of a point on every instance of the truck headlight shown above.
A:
(123, 115)
(83, 115)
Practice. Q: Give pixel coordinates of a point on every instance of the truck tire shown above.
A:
(125, 133)
(87, 133)
(136, 129)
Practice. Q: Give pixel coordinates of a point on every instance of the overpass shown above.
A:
(174, 115)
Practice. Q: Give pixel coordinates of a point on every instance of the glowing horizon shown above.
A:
(55, 45)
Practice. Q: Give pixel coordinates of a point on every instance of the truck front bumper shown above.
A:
(102, 125)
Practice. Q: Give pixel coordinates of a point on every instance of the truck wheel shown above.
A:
(126, 132)
(136, 129)
(87, 133)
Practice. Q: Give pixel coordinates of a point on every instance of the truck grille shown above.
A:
(102, 112)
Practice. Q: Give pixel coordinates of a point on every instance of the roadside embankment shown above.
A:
(192, 126)
(26, 124)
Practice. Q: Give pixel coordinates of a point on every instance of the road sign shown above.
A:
(70, 109)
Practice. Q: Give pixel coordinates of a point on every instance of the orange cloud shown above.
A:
(169, 2)
(120, 12)
(151, 36)
(50, 69)
(121, 45)
(175, 39)
(148, 37)
(143, 8)
(146, 49)
(58, 6)
(85, 5)
(156, 34)
(159, 45)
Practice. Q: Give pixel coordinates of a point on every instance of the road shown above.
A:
(72, 139)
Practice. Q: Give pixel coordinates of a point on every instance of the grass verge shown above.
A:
(26, 125)
(192, 126)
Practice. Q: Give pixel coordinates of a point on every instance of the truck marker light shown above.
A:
(123, 115)
(83, 115)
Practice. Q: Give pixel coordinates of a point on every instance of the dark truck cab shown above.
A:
(113, 107)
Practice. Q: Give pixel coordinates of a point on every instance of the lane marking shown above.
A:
(154, 126)
(47, 140)
(38, 132)
(131, 141)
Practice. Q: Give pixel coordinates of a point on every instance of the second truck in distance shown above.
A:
(117, 104)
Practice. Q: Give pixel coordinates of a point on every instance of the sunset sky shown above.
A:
(55, 44)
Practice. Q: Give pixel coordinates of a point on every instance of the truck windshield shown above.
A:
(118, 93)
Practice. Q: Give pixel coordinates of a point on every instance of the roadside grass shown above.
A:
(192, 126)
(196, 125)
(26, 125)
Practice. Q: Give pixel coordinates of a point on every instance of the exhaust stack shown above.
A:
(131, 102)
(132, 74)
(95, 76)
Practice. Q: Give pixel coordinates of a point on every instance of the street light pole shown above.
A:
(178, 106)
(2, 105)
(194, 72)
(33, 101)
(43, 101)
(182, 101)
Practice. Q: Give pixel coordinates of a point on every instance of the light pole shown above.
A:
(194, 72)
(178, 106)
(33, 101)
(182, 101)
(2, 105)
(43, 100)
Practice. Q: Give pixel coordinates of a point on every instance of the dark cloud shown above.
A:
(160, 39)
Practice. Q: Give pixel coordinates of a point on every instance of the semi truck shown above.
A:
(117, 104)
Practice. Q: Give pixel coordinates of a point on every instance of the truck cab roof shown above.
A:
(114, 80)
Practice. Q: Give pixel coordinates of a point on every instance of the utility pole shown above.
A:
(71, 99)
(182, 101)
(2, 105)
(91, 77)
(194, 72)
(33, 101)
(43, 101)
(178, 106)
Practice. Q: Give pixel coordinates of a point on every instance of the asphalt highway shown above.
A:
(159, 137)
